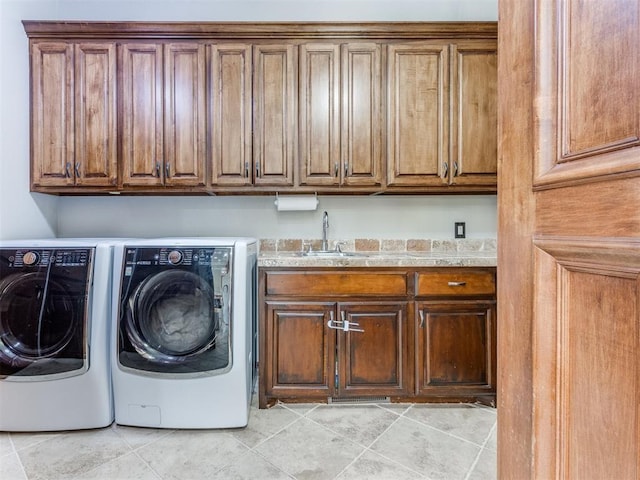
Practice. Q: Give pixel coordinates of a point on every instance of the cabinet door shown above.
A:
(95, 114)
(474, 124)
(319, 114)
(230, 106)
(142, 114)
(361, 120)
(417, 114)
(374, 361)
(299, 349)
(52, 124)
(274, 115)
(456, 348)
(184, 114)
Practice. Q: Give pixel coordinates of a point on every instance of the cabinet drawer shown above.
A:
(336, 284)
(456, 282)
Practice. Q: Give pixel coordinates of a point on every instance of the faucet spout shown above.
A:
(325, 227)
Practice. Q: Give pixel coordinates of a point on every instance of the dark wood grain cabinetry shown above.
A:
(73, 114)
(329, 334)
(262, 108)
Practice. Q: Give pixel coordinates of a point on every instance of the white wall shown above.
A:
(23, 214)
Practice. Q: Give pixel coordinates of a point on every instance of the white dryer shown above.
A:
(184, 332)
(55, 308)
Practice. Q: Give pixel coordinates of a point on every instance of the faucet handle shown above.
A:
(339, 246)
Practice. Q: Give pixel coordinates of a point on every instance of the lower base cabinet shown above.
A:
(362, 334)
(455, 353)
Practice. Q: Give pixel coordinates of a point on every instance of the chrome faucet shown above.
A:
(325, 227)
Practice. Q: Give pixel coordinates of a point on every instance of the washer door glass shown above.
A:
(40, 320)
(171, 317)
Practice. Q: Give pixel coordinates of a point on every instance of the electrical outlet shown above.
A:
(460, 230)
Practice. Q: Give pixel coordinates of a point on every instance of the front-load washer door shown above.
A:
(43, 313)
(171, 319)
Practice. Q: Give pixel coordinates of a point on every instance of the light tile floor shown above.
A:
(287, 441)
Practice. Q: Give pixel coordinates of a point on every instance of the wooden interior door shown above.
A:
(569, 240)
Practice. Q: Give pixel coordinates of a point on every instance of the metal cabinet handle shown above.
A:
(336, 169)
(76, 169)
(246, 169)
(456, 284)
(346, 169)
(455, 169)
(67, 170)
(445, 174)
(167, 170)
(421, 313)
(158, 169)
(258, 169)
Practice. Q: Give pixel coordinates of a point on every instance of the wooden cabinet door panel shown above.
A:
(52, 126)
(142, 114)
(184, 114)
(474, 122)
(300, 353)
(455, 348)
(417, 114)
(230, 104)
(275, 116)
(373, 362)
(361, 120)
(319, 114)
(95, 114)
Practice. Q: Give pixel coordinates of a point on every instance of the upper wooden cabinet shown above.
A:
(441, 117)
(340, 122)
(263, 108)
(73, 120)
(252, 100)
(162, 98)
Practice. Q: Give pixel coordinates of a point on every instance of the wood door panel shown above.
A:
(361, 120)
(301, 353)
(373, 361)
(275, 117)
(231, 114)
(319, 114)
(52, 109)
(474, 108)
(184, 117)
(596, 114)
(95, 118)
(142, 114)
(417, 116)
(336, 283)
(588, 358)
(455, 347)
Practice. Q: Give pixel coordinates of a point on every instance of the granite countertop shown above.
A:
(381, 259)
(380, 253)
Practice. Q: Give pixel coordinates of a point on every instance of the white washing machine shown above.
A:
(184, 332)
(55, 311)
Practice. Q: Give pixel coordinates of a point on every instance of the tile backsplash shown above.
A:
(280, 245)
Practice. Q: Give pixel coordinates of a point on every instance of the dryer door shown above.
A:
(43, 313)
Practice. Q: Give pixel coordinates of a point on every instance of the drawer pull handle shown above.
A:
(421, 313)
(457, 284)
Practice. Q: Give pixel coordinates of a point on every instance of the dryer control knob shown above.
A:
(175, 257)
(30, 258)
